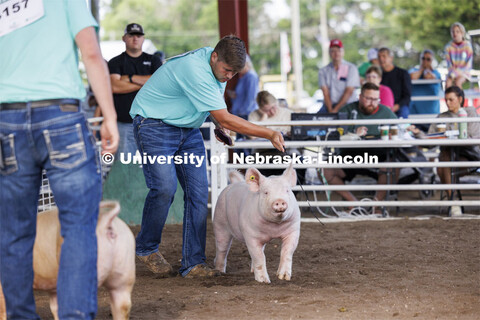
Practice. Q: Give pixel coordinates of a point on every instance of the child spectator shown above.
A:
(459, 56)
(374, 75)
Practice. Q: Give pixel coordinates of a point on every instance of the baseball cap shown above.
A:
(372, 54)
(134, 28)
(336, 43)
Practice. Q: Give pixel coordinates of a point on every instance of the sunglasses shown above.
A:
(426, 59)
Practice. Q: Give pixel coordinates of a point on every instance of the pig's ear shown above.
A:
(235, 176)
(253, 177)
(291, 175)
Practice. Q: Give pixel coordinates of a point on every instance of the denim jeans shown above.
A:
(156, 138)
(59, 142)
(127, 142)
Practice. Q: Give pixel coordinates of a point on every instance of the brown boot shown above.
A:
(156, 263)
(202, 271)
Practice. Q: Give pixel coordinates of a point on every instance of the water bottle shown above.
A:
(353, 116)
(462, 126)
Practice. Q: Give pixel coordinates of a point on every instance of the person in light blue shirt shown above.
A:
(167, 113)
(425, 71)
(43, 128)
(244, 96)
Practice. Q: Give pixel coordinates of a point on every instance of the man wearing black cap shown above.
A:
(128, 73)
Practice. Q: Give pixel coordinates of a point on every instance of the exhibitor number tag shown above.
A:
(15, 14)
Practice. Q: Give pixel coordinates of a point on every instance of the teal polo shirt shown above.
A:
(182, 91)
(26, 73)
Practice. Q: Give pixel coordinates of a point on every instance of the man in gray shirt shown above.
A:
(337, 80)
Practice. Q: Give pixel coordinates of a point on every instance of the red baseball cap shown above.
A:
(336, 43)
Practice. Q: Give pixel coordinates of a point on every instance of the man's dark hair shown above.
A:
(382, 49)
(369, 86)
(232, 51)
(458, 92)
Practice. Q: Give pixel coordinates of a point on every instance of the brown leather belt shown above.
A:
(65, 104)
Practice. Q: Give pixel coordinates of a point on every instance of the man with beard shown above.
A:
(368, 107)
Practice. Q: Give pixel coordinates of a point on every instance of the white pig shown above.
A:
(256, 209)
(115, 263)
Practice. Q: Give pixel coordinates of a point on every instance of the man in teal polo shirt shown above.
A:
(167, 113)
(42, 127)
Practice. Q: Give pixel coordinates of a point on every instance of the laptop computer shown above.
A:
(316, 131)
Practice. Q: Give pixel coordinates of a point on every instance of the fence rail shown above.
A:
(219, 171)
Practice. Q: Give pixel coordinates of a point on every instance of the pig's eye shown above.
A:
(265, 192)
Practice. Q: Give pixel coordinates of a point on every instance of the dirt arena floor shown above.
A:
(400, 269)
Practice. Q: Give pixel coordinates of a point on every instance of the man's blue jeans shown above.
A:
(59, 142)
(127, 142)
(156, 138)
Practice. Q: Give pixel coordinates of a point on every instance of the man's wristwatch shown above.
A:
(130, 78)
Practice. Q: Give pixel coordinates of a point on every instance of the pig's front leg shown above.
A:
(289, 244)
(259, 264)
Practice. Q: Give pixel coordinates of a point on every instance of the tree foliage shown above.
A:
(427, 22)
(405, 26)
(173, 26)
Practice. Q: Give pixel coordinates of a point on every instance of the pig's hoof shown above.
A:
(262, 278)
(284, 276)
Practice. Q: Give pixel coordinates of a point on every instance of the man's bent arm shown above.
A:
(237, 124)
(326, 99)
(140, 80)
(343, 100)
(122, 84)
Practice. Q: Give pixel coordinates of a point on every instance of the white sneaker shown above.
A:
(455, 211)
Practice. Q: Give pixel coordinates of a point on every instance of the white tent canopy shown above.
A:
(112, 49)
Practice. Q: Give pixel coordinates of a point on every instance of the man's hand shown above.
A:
(110, 137)
(413, 129)
(277, 140)
(263, 115)
(361, 131)
(223, 136)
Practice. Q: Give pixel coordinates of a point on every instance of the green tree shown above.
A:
(405, 26)
(427, 22)
(173, 26)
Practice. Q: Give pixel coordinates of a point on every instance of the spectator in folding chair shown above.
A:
(455, 97)
(367, 107)
(269, 111)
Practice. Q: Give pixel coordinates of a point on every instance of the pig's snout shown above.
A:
(280, 205)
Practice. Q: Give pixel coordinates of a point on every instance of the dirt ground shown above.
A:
(400, 269)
